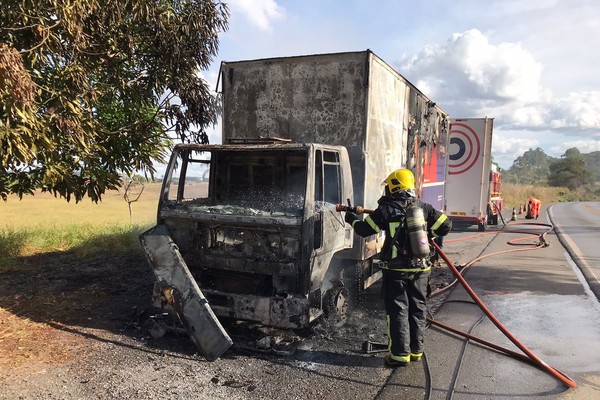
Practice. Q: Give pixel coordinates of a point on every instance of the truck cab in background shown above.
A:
(495, 200)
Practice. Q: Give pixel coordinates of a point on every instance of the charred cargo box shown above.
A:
(350, 99)
(254, 218)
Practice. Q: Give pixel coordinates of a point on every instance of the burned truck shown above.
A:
(253, 221)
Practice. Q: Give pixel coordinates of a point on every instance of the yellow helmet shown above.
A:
(400, 179)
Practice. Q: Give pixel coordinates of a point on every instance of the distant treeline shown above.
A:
(573, 170)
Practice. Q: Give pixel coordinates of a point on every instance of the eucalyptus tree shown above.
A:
(529, 168)
(570, 170)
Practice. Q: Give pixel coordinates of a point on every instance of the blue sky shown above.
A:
(533, 66)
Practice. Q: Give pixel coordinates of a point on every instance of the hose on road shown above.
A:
(538, 245)
(530, 356)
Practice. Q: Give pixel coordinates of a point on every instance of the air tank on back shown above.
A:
(417, 231)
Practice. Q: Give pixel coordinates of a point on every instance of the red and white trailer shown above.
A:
(469, 197)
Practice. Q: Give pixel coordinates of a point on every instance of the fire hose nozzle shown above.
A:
(341, 208)
(349, 208)
(355, 210)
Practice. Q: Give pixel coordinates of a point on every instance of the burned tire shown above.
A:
(335, 306)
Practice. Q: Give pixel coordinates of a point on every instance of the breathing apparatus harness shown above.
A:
(413, 246)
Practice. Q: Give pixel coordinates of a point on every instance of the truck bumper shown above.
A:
(189, 302)
(280, 312)
(472, 220)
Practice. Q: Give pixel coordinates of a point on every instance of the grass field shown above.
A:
(43, 209)
(43, 223)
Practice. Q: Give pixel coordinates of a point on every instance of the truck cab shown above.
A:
(256, 225)
(495, 201)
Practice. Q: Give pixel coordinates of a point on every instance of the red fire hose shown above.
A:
(554, 372)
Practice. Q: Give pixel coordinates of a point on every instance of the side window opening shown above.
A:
(173, 184)
(328, 188)
(319, 176)
(190, 177)
(318, 219)
(331, 177)
(328, 185)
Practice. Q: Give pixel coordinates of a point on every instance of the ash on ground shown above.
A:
(366, 322)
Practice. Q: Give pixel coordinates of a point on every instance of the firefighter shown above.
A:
(529, 214)
(405, 278)
(533, 208)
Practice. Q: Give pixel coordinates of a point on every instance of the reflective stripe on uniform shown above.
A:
(403, 359)
(372, 224)
(395, 358)
(393, 227)
(439, 222)
(408, 269)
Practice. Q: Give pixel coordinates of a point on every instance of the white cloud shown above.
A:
(506, 149)
(469, 76)
(468, 64)
(578, 110)
(585, 146)
(260, 13)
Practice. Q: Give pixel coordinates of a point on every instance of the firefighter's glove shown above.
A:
(350, 217)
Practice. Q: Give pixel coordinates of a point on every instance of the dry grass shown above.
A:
(42, 223)
(515, 195)
(44, 210)
(50, 241)
(33, 344)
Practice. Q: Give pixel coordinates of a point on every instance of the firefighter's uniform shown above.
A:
(404, 277)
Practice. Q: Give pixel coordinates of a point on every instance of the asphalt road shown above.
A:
(545, 304)
(578, 227)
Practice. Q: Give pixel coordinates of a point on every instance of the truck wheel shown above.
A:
(335, 305)
(481, 227)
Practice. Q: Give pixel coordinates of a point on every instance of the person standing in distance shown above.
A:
(405, 277)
